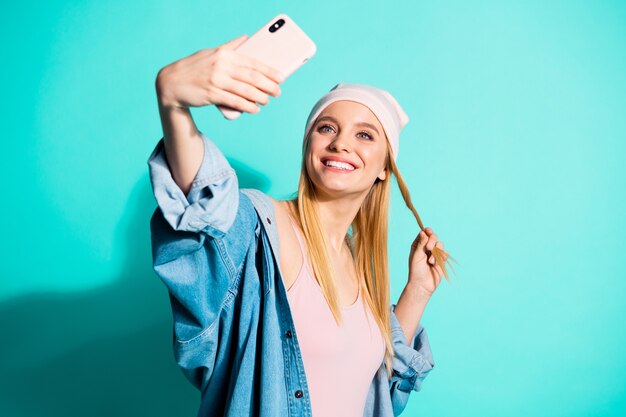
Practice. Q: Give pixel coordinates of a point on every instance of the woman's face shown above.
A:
(347, 150)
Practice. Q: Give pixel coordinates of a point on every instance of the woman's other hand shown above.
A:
(424, 271)
(218, 75)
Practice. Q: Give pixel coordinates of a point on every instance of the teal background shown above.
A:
(513, 154)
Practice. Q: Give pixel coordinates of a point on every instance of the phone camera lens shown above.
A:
(277, 25)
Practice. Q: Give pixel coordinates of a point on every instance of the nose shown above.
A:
(340, 143)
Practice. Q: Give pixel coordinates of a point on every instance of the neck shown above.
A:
(336, 215)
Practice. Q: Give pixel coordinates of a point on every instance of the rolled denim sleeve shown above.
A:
(210, 205)
(411, 364)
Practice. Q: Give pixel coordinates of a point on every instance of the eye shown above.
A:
(369, 137)
(323, 126)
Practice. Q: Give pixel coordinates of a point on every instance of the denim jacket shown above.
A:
(217, 252)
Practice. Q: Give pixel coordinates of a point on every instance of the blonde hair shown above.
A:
(368, 243)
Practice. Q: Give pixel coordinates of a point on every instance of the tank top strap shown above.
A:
(299, 236)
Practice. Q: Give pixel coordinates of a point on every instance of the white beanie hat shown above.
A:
(384, 106)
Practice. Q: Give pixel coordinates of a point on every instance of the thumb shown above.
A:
(234, 43)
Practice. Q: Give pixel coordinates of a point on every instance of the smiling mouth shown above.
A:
(344, 166)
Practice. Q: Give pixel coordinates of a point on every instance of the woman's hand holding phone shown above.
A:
(220, 76)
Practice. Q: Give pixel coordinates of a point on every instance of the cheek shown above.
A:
(382, 156)
(308, 160)
(315, 147)
(316, 142)
(376, 158)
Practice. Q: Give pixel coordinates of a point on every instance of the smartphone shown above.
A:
(281, 44)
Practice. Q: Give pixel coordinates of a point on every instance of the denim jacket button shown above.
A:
(268, 220)
(288, 333)
(298, 394)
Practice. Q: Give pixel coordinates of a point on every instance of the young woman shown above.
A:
(281, 308)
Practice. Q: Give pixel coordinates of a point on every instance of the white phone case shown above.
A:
(286, 49)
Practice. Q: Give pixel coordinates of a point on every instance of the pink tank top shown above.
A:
(340, 362)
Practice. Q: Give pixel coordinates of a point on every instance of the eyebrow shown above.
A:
(371, 126)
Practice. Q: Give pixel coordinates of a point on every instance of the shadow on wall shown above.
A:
(106, 352)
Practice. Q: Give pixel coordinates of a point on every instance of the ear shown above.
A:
(383, 174)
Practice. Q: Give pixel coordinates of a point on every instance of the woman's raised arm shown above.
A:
(217, 75)
(198, 198)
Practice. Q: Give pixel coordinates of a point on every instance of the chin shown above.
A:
(337, 189)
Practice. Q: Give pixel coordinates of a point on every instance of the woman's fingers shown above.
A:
(244, 76)
(430, 245)
(257, 80)
(234, 43)
(250, 79)
(235, 101)
(432, 239)
(245, 90)
(250, 62)
(420, 241)
(268, 71)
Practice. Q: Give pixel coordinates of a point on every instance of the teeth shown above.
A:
(340, 165)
